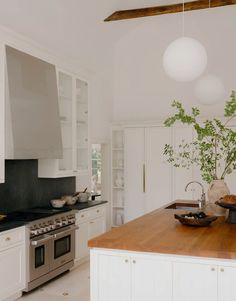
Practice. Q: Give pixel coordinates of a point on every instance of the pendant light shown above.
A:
(209, 89)
(185, 59)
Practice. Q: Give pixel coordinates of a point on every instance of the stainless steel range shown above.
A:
(51, 246)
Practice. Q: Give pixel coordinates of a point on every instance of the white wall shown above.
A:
(141, 88)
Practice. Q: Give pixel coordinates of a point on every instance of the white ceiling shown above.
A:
(74, 28)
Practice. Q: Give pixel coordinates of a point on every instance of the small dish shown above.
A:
(69, 199)
(57, 203)
(188, 219)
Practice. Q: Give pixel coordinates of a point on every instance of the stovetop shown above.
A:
(28, 215)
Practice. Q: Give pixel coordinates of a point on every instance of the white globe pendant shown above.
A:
(185, 59)
(209, 89)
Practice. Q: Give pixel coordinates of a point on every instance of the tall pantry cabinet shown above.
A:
(147, 175)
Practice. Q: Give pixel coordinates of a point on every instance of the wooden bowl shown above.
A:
(195, 222)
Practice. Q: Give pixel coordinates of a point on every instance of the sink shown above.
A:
(183, 206)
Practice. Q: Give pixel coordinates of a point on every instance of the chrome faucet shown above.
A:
(202, 200)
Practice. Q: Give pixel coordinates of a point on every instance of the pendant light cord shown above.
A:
(183, 21)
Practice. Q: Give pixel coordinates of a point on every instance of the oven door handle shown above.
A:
(37, 242)
(62, 233)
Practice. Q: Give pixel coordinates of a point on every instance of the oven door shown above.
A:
(63, 246)
(39, 256)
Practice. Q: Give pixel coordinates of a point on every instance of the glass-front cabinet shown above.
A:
(82, 146)
(73, 97)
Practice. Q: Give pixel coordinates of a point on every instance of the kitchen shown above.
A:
(121, 95)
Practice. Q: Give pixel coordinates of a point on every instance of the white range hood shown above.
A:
(32, 111)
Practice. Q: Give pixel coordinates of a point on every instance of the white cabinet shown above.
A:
(12, 263)
(148, 177)
(2, 113)
(96, 227)
(158, 173)
(114, 281)
(151, 280)
(134, 156)
(74, 118)
(81, 241)
(127, 278)
(122, 275)
(194, 282)
(226, 282)
(91, 223)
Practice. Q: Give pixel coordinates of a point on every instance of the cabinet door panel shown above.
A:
(226, 282)
(81, 241)
(158, 171)
(194, 282)
(12, 274)
(96, 227)
(114, 281)
(134, 177)
(151, 280)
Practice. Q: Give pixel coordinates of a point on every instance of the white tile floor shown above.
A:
(72, 286)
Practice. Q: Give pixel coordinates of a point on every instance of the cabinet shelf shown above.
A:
(118, 168)
(119, 187)
(118, 207)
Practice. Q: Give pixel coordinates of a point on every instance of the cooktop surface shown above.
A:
(28, 215)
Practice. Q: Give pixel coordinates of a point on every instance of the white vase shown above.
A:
(217, 190)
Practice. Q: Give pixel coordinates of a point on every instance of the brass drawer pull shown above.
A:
(222, 270)
(213, 269)
(97, 211)
(7, 238)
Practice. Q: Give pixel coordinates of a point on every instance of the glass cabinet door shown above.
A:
(81, 125)
(65, 84)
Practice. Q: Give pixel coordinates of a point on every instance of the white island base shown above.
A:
(133, 276)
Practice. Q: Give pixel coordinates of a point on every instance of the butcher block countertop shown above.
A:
(159, 232)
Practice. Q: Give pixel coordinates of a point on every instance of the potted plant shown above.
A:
(213, 149)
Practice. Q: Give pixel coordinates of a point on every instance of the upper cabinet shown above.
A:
(74, 118)
(2, 115)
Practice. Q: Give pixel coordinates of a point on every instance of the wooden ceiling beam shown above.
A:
(167, 9)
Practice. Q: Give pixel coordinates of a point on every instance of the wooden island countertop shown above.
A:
(159, 232)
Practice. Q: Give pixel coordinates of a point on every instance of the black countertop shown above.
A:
(86, 205)
(9, 224)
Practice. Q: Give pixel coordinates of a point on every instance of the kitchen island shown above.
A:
(156, 258)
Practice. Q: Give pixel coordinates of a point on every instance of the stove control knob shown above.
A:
(33, 232)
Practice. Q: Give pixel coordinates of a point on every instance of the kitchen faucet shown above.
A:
(202, 200)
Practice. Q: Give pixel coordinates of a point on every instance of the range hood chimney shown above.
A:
(32, 111)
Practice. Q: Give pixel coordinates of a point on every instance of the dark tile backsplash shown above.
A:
(23, 188)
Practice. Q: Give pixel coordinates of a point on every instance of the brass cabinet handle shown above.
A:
(144, 178)
(97, 211)
(7, 238)
(222, 270)
(213, 269)
(134, 261)
(126, 260)
(82, 215)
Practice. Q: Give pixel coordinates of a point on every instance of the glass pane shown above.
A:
(65, 83)
(62, 246)
(82, 124)
(39, 256)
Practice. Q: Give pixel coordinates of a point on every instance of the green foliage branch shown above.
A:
(214, 148)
